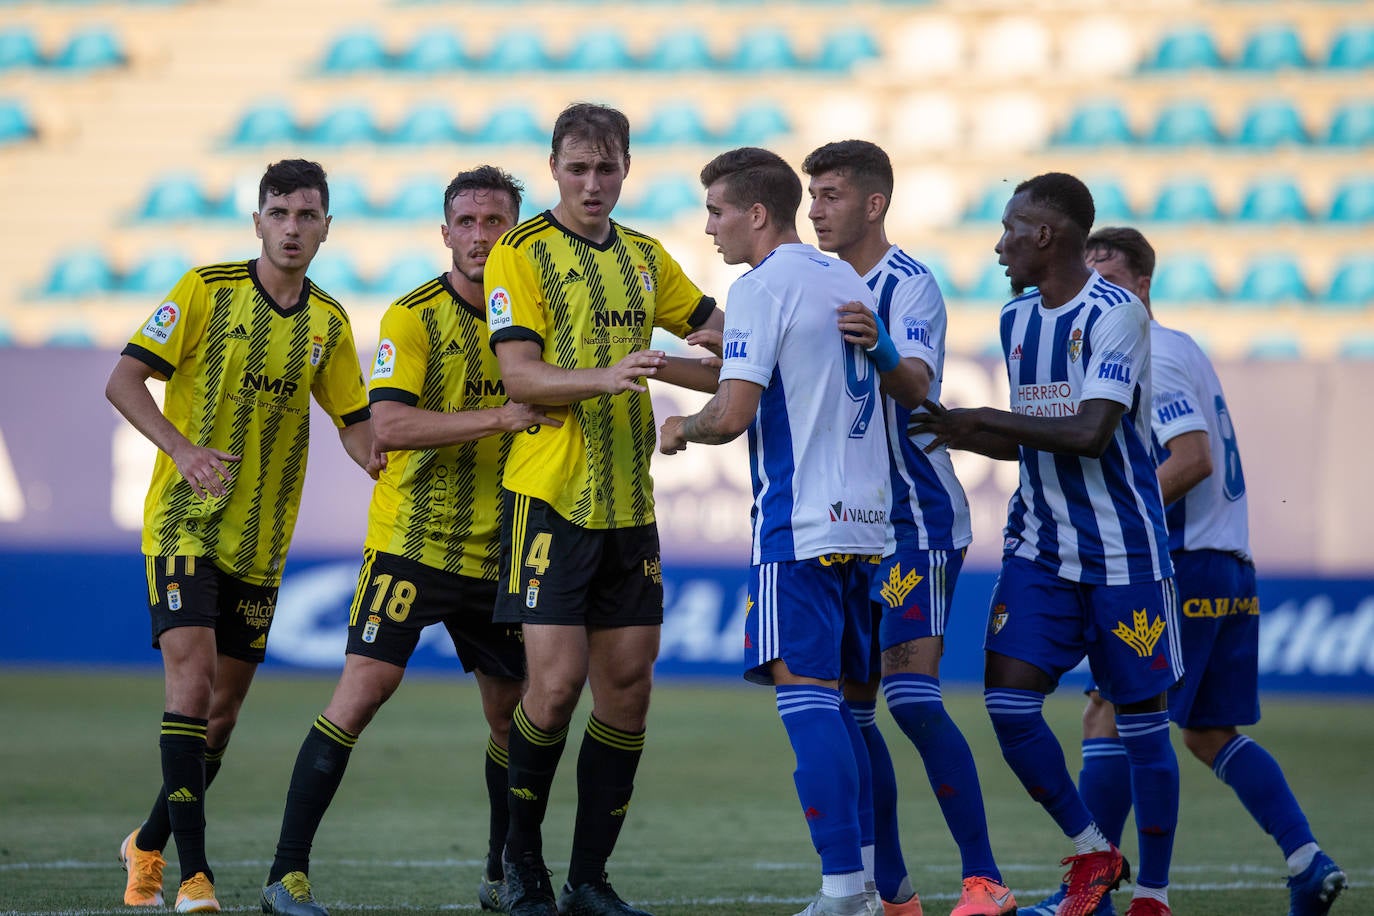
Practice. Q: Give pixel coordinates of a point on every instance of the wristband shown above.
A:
(884, 353)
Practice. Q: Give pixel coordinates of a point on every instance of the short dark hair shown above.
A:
(865, 164)
(1064, 194)
(1130, 244)
(484, 178)
(603, 127)
(281, 178)
(757, 176)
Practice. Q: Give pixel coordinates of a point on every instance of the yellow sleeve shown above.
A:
(515, 300)
(398, 370)
(174, 331)
(338, 386)
(678, 299)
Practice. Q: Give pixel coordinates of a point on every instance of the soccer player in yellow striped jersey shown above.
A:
(242, 347)
(572, 299)
(431, 553)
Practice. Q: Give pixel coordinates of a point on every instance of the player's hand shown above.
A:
(670, 439)
(948, 427)
(376, 462)
(205, 469)
(709, 339)
(858, 325)
(625, 375)
(515, 417)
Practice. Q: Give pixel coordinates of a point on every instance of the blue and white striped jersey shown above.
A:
(816, 445)
(1187, 397)
(929, 508)
(1094, 520)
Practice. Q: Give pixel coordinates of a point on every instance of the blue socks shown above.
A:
(1105, 784)
(1255, 776)
(1034, 755)
(889, 865)
(1154, 790)
(827, 775)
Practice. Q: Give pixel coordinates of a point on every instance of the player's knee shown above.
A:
(1206, 743)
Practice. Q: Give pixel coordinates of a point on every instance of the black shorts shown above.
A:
(553, 571)
(194, 592)
(396, 598)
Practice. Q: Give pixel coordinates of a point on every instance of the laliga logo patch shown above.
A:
(999, 618)
(370, 628)
(532, 594)
(160, 326)
(385, 363)
(173, 596)
(498, 309)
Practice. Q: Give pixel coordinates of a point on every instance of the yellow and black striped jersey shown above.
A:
(439, 506)
(240, 371)
(588, 306)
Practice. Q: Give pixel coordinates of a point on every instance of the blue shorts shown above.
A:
(911, 594)
(813, 614)
(1219, 623)
(1129, 633)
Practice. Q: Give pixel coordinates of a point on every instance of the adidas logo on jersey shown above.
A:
(181, 795)
(572, 276)
(239, 332)
(453, 349)
(259, 643)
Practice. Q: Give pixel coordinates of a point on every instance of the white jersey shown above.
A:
(816, 445)
(1095, 520)
(929, 508)
(1187, 398)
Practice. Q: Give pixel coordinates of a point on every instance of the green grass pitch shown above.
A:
(714, 828)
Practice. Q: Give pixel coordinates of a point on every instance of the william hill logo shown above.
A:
(484, 388)
(263, 382)
(624, 318)
(1116, 372)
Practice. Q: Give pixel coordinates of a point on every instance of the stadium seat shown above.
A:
(1187, 48)
(1353, 201)
(511, 125)
(94, 48)
(598, 52)
(266, 124)
(1183, 279)
(345, 124)
(1271, 48)
(1272, 280)
(1272, 200)
(335, 274)
(1187, 122)
(516, 51)
(358, 51)
(844, 49)
(988, 208)
(80, 273)
(1358, 347)
(672, 123)
(15, 125)
(1352, 124)
(405, 272)
(1109, 200)
(156, 274)
(420, 197)
(176, 197)
(1271, 123)
(426, 124)
(19, 49)
(348, 197)
(992, 287)
(70, 338)
(1274, 348)
(435, 51)
(1099, 123)
(1352, 286)
(763, 50)
(756, 124)
(1186, 200)
(665, 198)
(1352, 48)
(679, 52)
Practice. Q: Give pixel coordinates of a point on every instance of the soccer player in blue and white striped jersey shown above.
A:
(1086, 568)
(912, 592)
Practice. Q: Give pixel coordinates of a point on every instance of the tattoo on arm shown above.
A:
(704, 426)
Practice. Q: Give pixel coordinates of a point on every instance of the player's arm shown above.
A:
(400, 426)
(205, 469)
(724, 417)
(1189, 463)
(907, 380)
(998, 433)
(531, 380)
(358, 442)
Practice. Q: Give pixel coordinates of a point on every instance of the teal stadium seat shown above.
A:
(348, 198)
(405, 272)
(80, 273)
(156, 274)
(335, 274)
(665, 198)
(1271, 48)
(1352, 48)
(511, 125)
(1186, 48)
(266, 124)
(673, 123)
(1352, 124)
(988, 208)
(1353, 201)
(1359, 347)
(94, 48)
(427, 124)
(756, 124)
(70, 338)
(436, 51)
(1186, 122)
(177, 198)
(1109, 200)
(1273, 200)
(357, 51)
(846, 48)
(1271, 123)
(419, 197)
(1352, 285)
(346, 124)
(1183, 279)
(764, 50)
(516, 51)
(1272, 280)
(679, 52)
(15, 124)
(1096, 123)
(19, 49)
(1186, 200)
(992, 287)
(598, 52)
(1284, 349)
